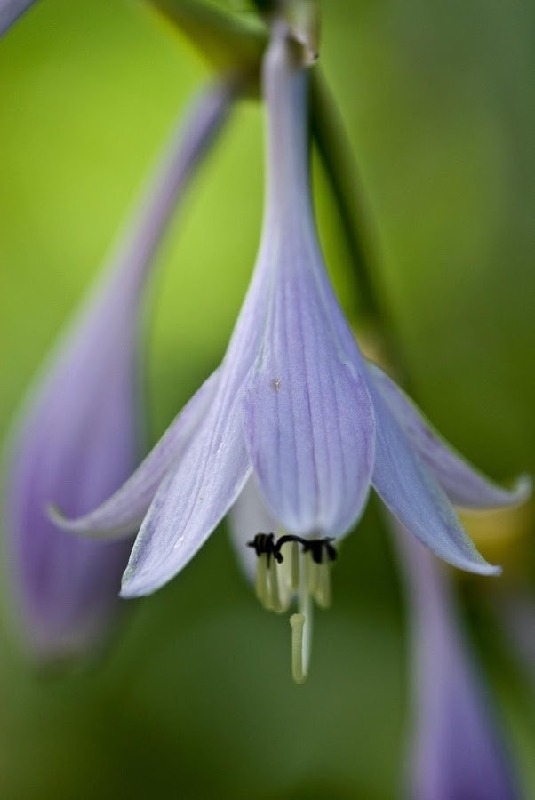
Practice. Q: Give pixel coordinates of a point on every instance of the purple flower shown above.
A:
(294, 412)
(80, 435)
(10, 11)
(457, 752)
(514, 606)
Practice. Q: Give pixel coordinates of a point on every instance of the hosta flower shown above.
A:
(10, 11)
(79, 437)
(295, 413)
(457, 750)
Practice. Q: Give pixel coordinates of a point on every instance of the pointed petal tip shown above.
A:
(137, 584)
(475, 566)
(76, 526)
(130, 584)
(521, 490)
(130, 592)
(489, 570)
(517, 493)
(55, 515)
(60, 519)
(514, 496)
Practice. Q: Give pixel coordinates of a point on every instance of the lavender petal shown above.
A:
(212, 471)
(190, 502)
(123, 512)
(410, 491)
(463, 484)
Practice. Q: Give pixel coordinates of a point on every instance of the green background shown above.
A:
(195, 699)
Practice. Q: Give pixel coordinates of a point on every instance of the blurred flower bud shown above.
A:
(80, 435)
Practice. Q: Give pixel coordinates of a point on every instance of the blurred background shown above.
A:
(195, 700)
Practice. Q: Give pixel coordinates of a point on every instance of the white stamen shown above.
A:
(299, 576)
(322, 594)
(261, 582)
(294, 566)
(311, 572)
(305, 609)
(280, 600)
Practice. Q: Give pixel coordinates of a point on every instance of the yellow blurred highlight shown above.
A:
(504, 535)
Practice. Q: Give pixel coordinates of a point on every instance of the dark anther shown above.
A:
(319, 549)
(264, 545)
(288, 537)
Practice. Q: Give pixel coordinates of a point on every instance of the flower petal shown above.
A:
(249, 516)
(10, 11)
(309, 421)
(457, 751)
(123, 512)
(308, 416)
(464, 485)
(212, 471)
(410, 491)
(190, 502)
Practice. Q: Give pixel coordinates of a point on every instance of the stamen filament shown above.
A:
(311, 571)
(306, 612)
(261, 582)
(322, 594)
(294, 562)
(276, 601)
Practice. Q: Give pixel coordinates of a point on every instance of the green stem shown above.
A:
(338, 161)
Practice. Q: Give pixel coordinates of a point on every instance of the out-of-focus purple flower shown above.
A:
(295, 410)
(515, 608)
(80, 435)
(457, 751)
(10, 11)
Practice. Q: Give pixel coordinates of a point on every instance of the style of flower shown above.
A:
(80, 436)
(294, 414)
(457, 749)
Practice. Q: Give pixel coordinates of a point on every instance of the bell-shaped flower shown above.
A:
(457, 750)
(79, 436)
(295, 410)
